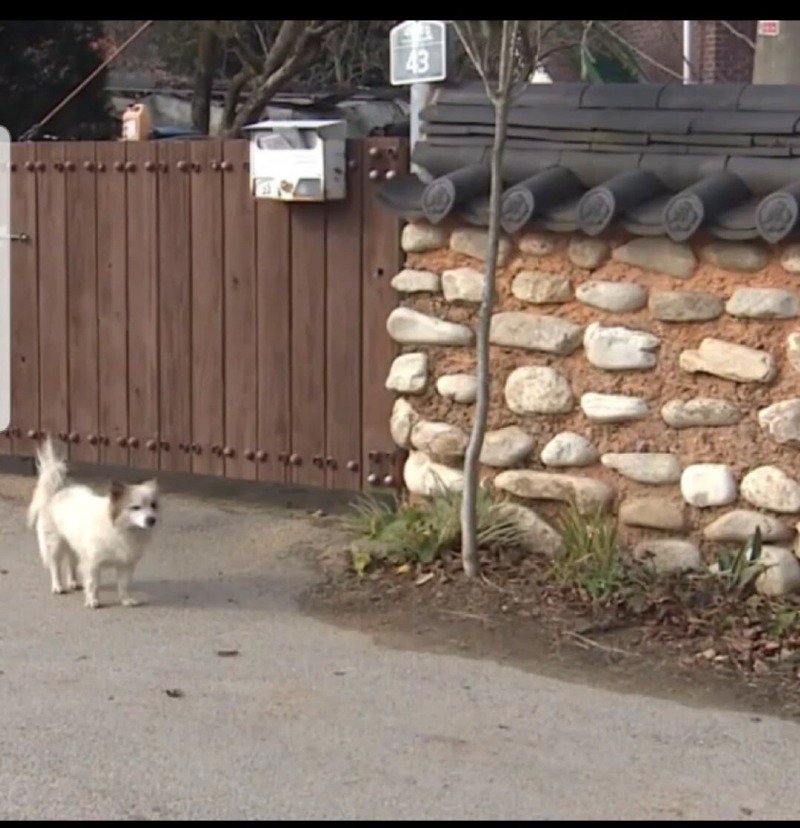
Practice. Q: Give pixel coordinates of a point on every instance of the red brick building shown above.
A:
(717, 53)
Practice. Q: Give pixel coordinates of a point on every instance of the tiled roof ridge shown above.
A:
(656, 158)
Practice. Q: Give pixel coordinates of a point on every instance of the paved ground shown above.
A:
(311, 721)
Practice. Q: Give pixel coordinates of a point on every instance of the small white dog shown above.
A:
(87, 532)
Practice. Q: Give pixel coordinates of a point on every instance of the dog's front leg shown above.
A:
(90, 575)
(124, 575)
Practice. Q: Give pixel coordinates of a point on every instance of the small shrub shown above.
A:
(738, 572)
(590, 559)
(420, 532)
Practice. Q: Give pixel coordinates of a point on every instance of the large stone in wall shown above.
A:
(769, 487)
(475, 243)
(569, 449)
(684, 305)
(442, 442)
(587, 493)
(538, 536)
(782, 574)
(708, 484)
(517, 329)
(734, 255)
(424, 477)
(781, 421)
(658, 254)
(619, 349)
(463, 284)
(408, 374)
(402, 421)
(506, 447)
(460, 388)
(538, 243)
(700, 412)
(410, 327)
(616, 297)
(668, 555)
(763, 303)
(729, 360)
(586, 252)
(612, 408)
(419, 237)
(739, 525)
(790, 260)
(644, 467)
(536, 389)
(416, 281)
(653, 513)
(541, 288)
(793, 350)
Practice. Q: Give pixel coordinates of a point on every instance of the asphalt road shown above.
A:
(309, 721)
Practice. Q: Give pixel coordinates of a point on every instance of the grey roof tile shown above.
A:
(701, 96)
(770, 97)
(622, 95)
(726, 148)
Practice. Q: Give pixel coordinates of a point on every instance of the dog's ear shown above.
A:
(115, 492)
(152, 485)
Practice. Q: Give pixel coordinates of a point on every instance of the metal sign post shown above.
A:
(5, 278)
(418, 56)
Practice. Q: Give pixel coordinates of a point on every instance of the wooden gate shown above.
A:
(162, 318)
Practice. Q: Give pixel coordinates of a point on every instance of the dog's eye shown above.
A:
(134, 508)
(154, 505)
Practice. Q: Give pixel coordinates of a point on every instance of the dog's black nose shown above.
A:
(151, 521)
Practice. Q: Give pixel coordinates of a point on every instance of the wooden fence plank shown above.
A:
(112, 301)
(171, 306)
(308, 344)
(143, 350)
(240, 314)
(273, 275)
(343, 349)
(53, 343)
(175, 304)
(81, 195)
(24, 303)
(381, 261)
(208, 403)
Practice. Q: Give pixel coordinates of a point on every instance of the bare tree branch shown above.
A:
(639, 52)
(741, 35)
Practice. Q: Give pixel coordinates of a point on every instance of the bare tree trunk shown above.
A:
(208, 54)
(469, 540)
(234, 91)
(268, 86)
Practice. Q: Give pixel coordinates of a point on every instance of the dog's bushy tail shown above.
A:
(52, 474)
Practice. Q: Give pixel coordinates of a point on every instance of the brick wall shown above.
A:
(717, 54)
(720, 55)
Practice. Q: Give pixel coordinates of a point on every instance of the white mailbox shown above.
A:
(298, 160)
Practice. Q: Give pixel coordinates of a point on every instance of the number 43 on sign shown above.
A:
(417, 50)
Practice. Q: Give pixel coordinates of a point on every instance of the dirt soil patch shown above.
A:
(437, 609)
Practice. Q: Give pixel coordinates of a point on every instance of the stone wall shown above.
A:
(659, 380)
